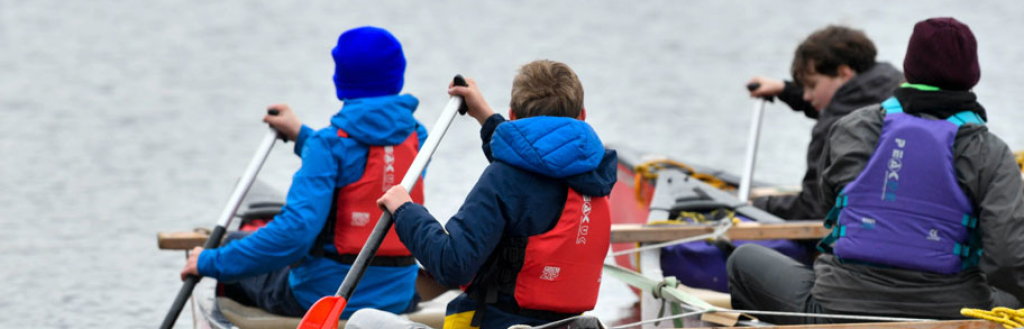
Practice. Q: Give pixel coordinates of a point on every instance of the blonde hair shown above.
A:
(546, 88)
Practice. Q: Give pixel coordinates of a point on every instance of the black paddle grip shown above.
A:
(461, 82)
(754, 85)
(275, 112)
(190, 282)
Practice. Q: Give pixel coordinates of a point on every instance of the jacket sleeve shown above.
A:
(300, 141)
(846, 152)
(289, 236)
(453, 253)
(487, 131)
(790, 206)
(1000, 210)
(793, 95)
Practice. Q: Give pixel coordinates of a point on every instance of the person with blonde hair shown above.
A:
(530, 240)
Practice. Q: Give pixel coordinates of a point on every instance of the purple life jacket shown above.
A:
(906, 210)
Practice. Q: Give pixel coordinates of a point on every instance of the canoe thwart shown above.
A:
(182, 240)
(792, 230)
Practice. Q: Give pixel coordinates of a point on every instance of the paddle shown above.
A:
(326, 311)
(755, 135)
(224, 220)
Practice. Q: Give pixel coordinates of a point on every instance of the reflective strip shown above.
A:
(966, 221)
(842, 231)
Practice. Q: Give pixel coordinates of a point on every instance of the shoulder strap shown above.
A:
(965, 117)
(892, 105)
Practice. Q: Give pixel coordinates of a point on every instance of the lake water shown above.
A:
(122, 119)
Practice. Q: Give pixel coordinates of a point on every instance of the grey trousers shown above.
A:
(369, 318)
(765, 280)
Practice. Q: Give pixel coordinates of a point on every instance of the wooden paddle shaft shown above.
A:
(223, 222)
(411, 176)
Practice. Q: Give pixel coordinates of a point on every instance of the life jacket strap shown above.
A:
(965, 117)
(491, 298)
(826, 243)
(892, 105)
(969, 221)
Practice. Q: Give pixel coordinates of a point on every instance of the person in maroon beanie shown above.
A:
(929, 205)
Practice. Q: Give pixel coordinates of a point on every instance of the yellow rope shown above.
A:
(687, 217)
(1020, 159)
(1009, 318)
(649, 171)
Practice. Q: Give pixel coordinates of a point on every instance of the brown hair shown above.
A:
(828, 48)
(546, 88)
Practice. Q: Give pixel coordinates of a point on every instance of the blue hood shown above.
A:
(385, 120)
(556, 147)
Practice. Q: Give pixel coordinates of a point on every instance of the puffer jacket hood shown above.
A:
(385, 120)
(557, 147)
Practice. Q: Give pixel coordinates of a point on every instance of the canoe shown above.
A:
(216, 312)
(637, 203)
(633, 194)
(652, 189)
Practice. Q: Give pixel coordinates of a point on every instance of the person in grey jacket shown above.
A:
(835, 73)
(941, 68)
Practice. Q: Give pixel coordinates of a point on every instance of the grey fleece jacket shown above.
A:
(869, 87)
(988, 174)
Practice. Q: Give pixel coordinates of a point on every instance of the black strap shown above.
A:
(481, 307)
(326, 235)
(386, 261)
(536, 314)
(492, 300)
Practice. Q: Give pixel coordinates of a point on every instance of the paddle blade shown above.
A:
(324, 314)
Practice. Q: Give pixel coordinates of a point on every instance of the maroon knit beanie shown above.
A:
(942, 53)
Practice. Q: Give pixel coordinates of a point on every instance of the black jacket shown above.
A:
(869, 87)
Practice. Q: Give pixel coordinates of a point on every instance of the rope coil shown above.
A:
(649, 171)
(1008, 317)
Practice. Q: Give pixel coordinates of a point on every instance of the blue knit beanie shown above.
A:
(368, 62)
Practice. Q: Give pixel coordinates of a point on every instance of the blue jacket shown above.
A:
(328, 163)
(521, 193)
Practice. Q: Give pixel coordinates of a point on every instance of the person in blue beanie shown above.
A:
(529, 242)
(306, 251)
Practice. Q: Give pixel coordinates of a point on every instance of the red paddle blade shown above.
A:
(324, 314)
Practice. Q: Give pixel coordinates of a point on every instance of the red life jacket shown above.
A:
(559, 271)
(355, 213)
